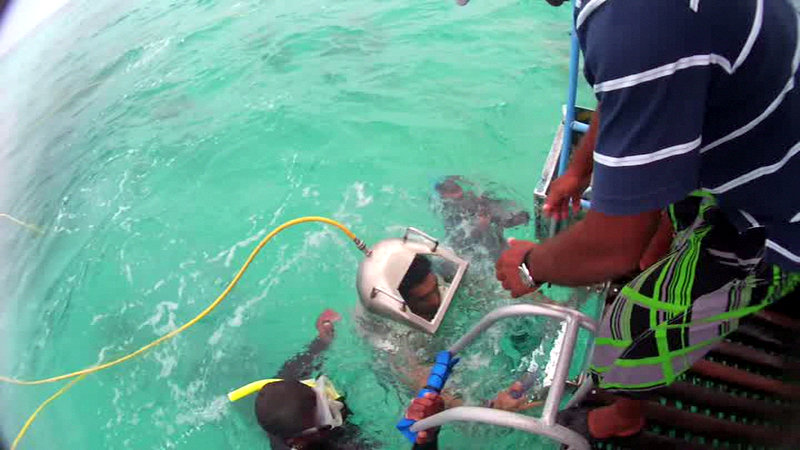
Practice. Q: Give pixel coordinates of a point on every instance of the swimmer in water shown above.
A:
(474, 223)
(420, 288)
(301, 413)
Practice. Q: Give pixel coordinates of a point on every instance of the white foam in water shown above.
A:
(121, 184)
(393, 230)
(362, 199)
(119, 414)
(309, 191)
(218, 355)
(101, 355)
(97, 318)
(344, 212)
(128, 273)
(315, 238)
(211, 412)
(167, 359)
(181, 287)
(197, 412)
(240, 313)
(231, 252)
(476, 361)
(120, 210)
(164, 307)
(158, 284)
(151, 51)
(214, 339)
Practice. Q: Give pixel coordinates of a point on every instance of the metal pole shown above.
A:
(545, 426)
(562, 372)
(574, 55)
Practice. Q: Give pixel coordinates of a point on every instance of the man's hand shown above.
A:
(507, 267)
(566, 188)
(505, 400)
(325, 323)
(422, 407)
(578, 176)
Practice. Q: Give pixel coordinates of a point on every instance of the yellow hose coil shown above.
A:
(44, 404)
(90, 370)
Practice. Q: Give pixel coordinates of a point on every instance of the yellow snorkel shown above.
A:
(255, 386)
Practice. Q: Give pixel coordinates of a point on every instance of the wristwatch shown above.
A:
(525, 274)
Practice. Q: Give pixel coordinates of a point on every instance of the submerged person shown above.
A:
(420, 288)
(301, 413)
(474, 224)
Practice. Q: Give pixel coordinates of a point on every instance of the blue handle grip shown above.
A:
(440, 372)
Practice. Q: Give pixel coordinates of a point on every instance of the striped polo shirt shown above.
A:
(698, 94)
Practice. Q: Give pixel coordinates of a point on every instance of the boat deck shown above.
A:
(744, 395)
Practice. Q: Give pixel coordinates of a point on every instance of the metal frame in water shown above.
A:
(546, 425)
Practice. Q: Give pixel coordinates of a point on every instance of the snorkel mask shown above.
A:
(329, 407)
(382, 271)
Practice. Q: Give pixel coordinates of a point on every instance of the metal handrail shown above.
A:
(525, 309)
(546, 425)
(570, 123)
(507, 419)
(572, 93)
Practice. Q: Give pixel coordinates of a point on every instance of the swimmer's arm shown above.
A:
(305, 364)
(432, 445)
(415, 375)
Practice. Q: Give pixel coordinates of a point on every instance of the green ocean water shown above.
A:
(156, 143)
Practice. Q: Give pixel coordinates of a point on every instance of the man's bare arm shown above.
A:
(596, 249)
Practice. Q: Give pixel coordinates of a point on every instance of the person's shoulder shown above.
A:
(276, 443)
(626, 37)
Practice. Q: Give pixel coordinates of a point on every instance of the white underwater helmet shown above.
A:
(380, 274)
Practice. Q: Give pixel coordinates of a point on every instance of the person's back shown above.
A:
(716, 81)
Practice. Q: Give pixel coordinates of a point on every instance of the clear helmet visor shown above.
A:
(411, 280)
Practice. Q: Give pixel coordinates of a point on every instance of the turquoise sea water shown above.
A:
(157, 143)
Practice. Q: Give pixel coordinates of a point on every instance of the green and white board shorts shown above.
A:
(674, 312)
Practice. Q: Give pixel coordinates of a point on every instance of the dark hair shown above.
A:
(419, 269)
(448, 186)
(286, 408)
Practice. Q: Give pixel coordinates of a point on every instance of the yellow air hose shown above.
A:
(90, 370)
(29, 226)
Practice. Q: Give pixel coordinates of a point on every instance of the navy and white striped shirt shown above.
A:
(698, 94)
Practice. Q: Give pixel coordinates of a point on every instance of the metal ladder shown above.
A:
(546, 424)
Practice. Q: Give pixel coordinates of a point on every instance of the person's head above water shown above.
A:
(286, 409)
(449, 188)
(556, 2)
(420, 288)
